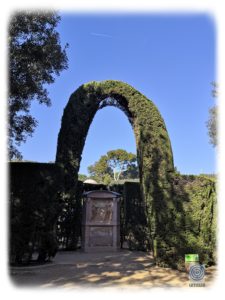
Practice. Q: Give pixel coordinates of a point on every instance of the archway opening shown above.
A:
(110, 130)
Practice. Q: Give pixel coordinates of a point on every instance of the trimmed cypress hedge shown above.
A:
(136, 227)
(154, 153)
(42, 217)
(35, 200)
(197, 219)
(190, 224)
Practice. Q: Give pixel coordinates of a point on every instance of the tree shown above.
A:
(119, 161)
(116, 164)
(35, 56)
(82, 177)
(100, 171)
(211, 124)
(212, 121)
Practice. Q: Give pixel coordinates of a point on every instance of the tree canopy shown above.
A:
(212, 121)
(115, 165)
(82, 177)
(35, 57)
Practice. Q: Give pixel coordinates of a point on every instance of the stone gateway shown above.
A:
(101, 221)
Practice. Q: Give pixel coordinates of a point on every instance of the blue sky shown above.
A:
(170, 58)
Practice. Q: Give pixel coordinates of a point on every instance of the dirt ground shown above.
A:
(123, 269)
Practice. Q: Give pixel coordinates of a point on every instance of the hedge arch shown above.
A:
(154, 153)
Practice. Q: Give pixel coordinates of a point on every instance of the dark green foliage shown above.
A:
(135, 222)
(131, 173)
(100, 171)
(154, 153)
(69, 220)
(201, 217)
(93, 187)
(35, 57)
(193, 229)
(164, 212)
(82, 177)
(190, 221)
(119, 188)
(42, 216)
(36, 195)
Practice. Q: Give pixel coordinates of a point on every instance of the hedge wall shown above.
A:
(35, 200)
(190, 224)
(38, 203)
(42, 216)
(136, 231)
(195, 219)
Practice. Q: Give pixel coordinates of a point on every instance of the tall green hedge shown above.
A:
(42, 216)
(154, 153)
(35, 200)
(135, 220)
(197, 218)
(190, 222)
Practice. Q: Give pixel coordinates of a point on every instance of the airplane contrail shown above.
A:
(101, 34)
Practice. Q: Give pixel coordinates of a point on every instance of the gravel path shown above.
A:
(123, 269)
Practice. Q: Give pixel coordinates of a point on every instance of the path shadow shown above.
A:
(124, 269)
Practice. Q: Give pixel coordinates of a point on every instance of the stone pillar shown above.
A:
(101, 221)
